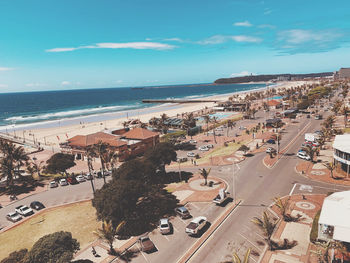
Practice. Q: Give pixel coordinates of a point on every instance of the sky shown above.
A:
(76, 44)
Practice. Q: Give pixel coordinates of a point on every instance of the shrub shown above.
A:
(314, 229)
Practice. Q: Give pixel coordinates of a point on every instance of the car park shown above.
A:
(203, 148)
(13, 217)
(63, 182)
(24, 210)
(53, 184)
(182, 212)
(191, 154)
(270, 150)
(303, 155)
(164, 226)
(146, 244)
(196, 225)
(80, 178)
(72, 180)
(37, 205)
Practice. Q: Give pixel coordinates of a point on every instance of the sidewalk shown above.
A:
(299, 231)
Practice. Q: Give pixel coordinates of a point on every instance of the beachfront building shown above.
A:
(274, 104)
(80, 143)
(232, 106)
(341, 154)
(139, 140)
(343, 73)
(334, 220)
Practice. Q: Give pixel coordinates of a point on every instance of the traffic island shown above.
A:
(318, 172)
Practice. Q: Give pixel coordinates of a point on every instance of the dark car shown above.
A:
(72, 180)
(271, 141)
(182, 212)
(37, 205)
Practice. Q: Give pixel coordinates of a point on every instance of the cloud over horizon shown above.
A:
(5, 69)
(219, 39)
(111, 45)
(243, 24)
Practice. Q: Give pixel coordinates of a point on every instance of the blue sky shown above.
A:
(73, 44)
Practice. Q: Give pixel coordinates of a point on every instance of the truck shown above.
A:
(221, 197)
(146, 244)
(24, 210)
(311, 137)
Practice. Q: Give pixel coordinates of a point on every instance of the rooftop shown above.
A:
(91, 139)
(342, 143)
(139, 134)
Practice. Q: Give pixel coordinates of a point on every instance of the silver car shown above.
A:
(164, 226)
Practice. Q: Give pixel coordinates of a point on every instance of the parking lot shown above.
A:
(174, 245)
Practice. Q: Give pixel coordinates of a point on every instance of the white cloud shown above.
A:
(243, 23)
(242, 74)
(131, 45)
(65, 83)
(175, 39)
(219, 39)
(5, 69)
(3, 86)
(298, 36)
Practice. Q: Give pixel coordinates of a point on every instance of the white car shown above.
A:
(191, 154)
(270, 150)
(53, 184)
(164, 226)
(193, 141)
(80, 178)
(24, 210)
(219, 129)
(63, 182)
(210, 146)
(242, 128)
(203, 148)
(13, 217)
(196, 225)
(303, 155)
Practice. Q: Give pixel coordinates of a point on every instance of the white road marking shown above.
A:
(183, 221)
(139, 247)
(249, 241)
(195, 206)
(175, 229)
(291, 191)
(166, 237)
(252, 258)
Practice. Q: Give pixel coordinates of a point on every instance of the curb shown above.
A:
(201, 241)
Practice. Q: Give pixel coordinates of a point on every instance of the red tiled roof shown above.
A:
(273, 103)
(90, 139)
(139, 134)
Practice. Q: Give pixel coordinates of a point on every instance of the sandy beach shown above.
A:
(52, 136)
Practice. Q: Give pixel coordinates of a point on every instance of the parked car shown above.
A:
(72, 180)
(270, 150)
(13, 217)
(164, 226)
(271, 141)
(222, 197)
(203, 148)
(53, 184)
(196, 225)
(242, 128)
(191, 154)
(303, 155)
(37, 205)
(193, 141)
(146, 244)
(24, 210)
(63, 182)
(88, 176)
(182, 212)
(80, 178)
(182, 159)
(219, 129)
(210, 146)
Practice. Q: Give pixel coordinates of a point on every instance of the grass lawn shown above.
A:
(79, 219)
(222, 151)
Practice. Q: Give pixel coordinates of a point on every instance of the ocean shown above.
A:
(20, 110)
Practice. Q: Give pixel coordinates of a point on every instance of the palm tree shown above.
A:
(331, 167)
(266, 225)
(34, 167)
(111, 158)
(214, 121)
(282, 206)
(205, 173)
(310, 150)
(108, 233)
(236, 258)
(344, 111)
(100, 149)
(20, 158)
(207, 120)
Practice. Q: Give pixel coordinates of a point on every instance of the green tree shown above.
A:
(100, 150)
(59, 163)
(266, 224)
(162, 154)
(58, 247)
(214, 120)
(16, 257)
(310, 150)
(205, 173)
(136, 170)
(207, 120)
(337, 106)
(108, 232)
(244, 148)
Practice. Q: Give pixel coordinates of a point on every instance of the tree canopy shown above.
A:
(59, 163)
(16, 257)
(162, 154)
